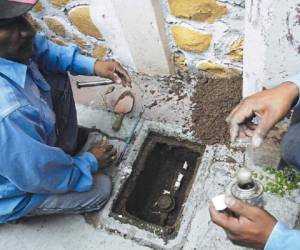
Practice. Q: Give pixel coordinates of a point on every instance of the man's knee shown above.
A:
(103, 187)
(290, 147)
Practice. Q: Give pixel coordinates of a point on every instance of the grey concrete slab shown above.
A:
(60, 233)
(217, 170)
(164, 99)
(103, 121)
(100, 231)
(141, 236)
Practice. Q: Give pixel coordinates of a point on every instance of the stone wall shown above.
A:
(203, 35)
(206, 35)
(67, 21)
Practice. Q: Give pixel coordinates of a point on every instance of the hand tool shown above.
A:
(123, 105)
(93, 83)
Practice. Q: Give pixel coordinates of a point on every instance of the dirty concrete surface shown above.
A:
(164, 99)
(167, 103)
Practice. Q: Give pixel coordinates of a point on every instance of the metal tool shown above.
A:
(123, 105)
(129, 139)
(80, 85)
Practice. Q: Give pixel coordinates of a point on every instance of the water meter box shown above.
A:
(153, 196)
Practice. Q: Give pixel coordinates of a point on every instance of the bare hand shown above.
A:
(270, 106)
(104, 153)
(114, 71)
(251, 228)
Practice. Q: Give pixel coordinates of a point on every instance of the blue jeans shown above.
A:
(67, 127)
(290, 145)
(75, 203)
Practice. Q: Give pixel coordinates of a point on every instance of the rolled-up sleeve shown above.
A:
(35, 167)
(282, 237)
(53, 57)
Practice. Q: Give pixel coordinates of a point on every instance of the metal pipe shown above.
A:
(93, 83)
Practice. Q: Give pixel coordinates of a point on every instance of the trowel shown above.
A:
(123, 105)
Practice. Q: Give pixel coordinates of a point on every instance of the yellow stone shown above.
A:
(190, 40)
(80, 17)
(38, 7)
(236, 50)
(99, 52)
(80, 42)
(198, 10)
(56, 26)
(59, 3)
(218, 70)
(181, 63)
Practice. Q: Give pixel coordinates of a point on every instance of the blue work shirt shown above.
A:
(282, 237)
(31, 166)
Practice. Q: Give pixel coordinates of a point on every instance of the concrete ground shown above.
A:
(171, 112)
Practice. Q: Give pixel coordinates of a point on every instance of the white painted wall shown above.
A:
(272, 43)
(105, 18)
(134, 30)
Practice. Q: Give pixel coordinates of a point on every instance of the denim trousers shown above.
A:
(290, 145)
(67, 127)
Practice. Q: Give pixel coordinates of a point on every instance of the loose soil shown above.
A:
(213, 101)
(156, 169)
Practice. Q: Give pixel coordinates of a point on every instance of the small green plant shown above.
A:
(280, 182)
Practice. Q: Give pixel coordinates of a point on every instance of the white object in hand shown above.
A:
(219, 202)
(244, 176)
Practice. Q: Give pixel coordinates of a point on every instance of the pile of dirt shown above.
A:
(213, 100)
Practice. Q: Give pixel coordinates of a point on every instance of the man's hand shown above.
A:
(270, 106)
(252, 226)
(114, 71)
(104, 153)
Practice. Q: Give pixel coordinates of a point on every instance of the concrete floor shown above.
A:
(60, 233)
(98, 230)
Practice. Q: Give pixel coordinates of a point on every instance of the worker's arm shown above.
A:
(53, 57)
(35, 167)
(270, 106)
(251, 227)
(295, 80)
(254, 227)
(283, 238)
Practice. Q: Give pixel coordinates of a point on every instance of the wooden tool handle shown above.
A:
(118, 122)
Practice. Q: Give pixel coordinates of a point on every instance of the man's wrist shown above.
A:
(292, 90)
(294, 83)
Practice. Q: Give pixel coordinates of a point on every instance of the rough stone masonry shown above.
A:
(203, 35)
